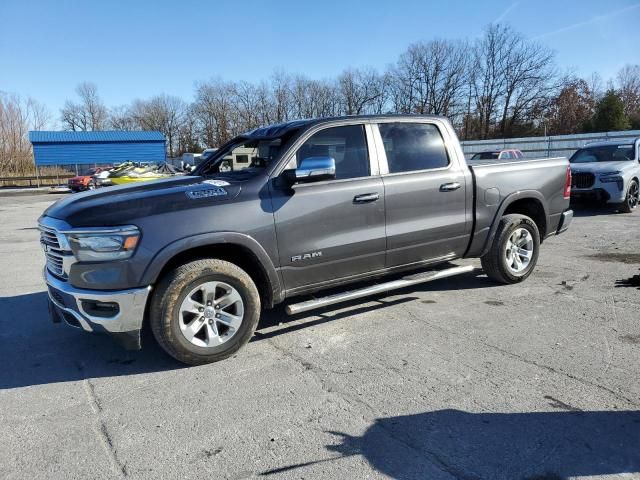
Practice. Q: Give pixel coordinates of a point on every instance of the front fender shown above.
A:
(162, 258)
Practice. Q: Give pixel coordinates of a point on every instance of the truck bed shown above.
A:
(498, 180)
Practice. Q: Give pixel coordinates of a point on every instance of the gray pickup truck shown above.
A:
(288, 210)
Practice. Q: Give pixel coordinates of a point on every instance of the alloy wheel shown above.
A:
(211, 314)
(519, 250)
(632, 196)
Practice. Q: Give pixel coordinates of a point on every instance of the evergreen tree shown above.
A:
(609, 115)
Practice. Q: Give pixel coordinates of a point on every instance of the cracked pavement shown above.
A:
(458, 378)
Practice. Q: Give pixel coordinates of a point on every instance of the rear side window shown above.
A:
(413, 146)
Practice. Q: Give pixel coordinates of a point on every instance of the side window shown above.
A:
(413, 146)
(346, 145)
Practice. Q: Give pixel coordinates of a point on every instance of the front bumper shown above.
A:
(119, 313)
(607, 192)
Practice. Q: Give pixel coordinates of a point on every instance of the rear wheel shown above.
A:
(205, 311)
(633, 197)
(514, 252)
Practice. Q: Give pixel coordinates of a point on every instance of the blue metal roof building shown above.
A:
(96, 148)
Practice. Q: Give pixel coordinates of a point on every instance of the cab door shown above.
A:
(425, 194)
(332, 229)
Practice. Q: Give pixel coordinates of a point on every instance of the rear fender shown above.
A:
(509, 200)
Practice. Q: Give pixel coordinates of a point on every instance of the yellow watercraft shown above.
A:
(128, 173)
(137, 178)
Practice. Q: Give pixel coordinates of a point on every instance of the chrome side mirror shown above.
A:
(313, 169)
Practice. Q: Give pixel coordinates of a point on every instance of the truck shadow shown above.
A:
(279, 323)
(592, 209)
(34, 351)
(541, 445)
(633, 281)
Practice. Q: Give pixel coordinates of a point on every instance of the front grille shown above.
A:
(53, 251)
(582, 180)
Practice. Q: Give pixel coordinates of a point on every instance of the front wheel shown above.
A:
(514, 252)
(631, 200)
(204, 311)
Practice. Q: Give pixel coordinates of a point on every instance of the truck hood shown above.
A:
(601, 167)
(118, 205)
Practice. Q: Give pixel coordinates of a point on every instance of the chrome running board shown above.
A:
(378, 288)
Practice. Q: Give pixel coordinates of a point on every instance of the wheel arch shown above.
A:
(240, 249)
(530, 203)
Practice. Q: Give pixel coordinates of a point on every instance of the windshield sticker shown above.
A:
(217, 183)
(206, 193)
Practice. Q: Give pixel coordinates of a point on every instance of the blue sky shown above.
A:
(136, 49)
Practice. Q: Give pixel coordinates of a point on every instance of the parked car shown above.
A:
(85, 181)
(319, 203)
(506, 154)
(608, 172)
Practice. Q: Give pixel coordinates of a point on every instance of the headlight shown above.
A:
(610, 179)
(103, 244)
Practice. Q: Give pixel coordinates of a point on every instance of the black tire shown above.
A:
(631, 199)
(494, 262)
(168, 298)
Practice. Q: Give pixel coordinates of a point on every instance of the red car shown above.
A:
(84, 181)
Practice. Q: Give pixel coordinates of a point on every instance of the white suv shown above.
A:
(608, 171)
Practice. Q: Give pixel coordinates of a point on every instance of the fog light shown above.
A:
(100, 309)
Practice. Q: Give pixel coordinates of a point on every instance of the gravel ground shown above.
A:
(459, 378)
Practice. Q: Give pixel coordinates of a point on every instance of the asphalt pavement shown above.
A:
(459, 378)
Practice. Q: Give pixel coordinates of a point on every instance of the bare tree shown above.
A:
(87, 114)
(628, 83)
(359, 90)
(121, 118)
(596, 86)
(17, 117)
(164, 113)
(188, 132)
(214, 109)
(530, 81)
(512, 80)
(282, 102)
(431, 78)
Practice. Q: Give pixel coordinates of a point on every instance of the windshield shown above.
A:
(605, 153)
(486, 156)
(245, 157)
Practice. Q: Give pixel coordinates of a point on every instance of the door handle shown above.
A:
(366, 198)
(449, 187)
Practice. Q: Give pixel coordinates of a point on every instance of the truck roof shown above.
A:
(278, 129)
